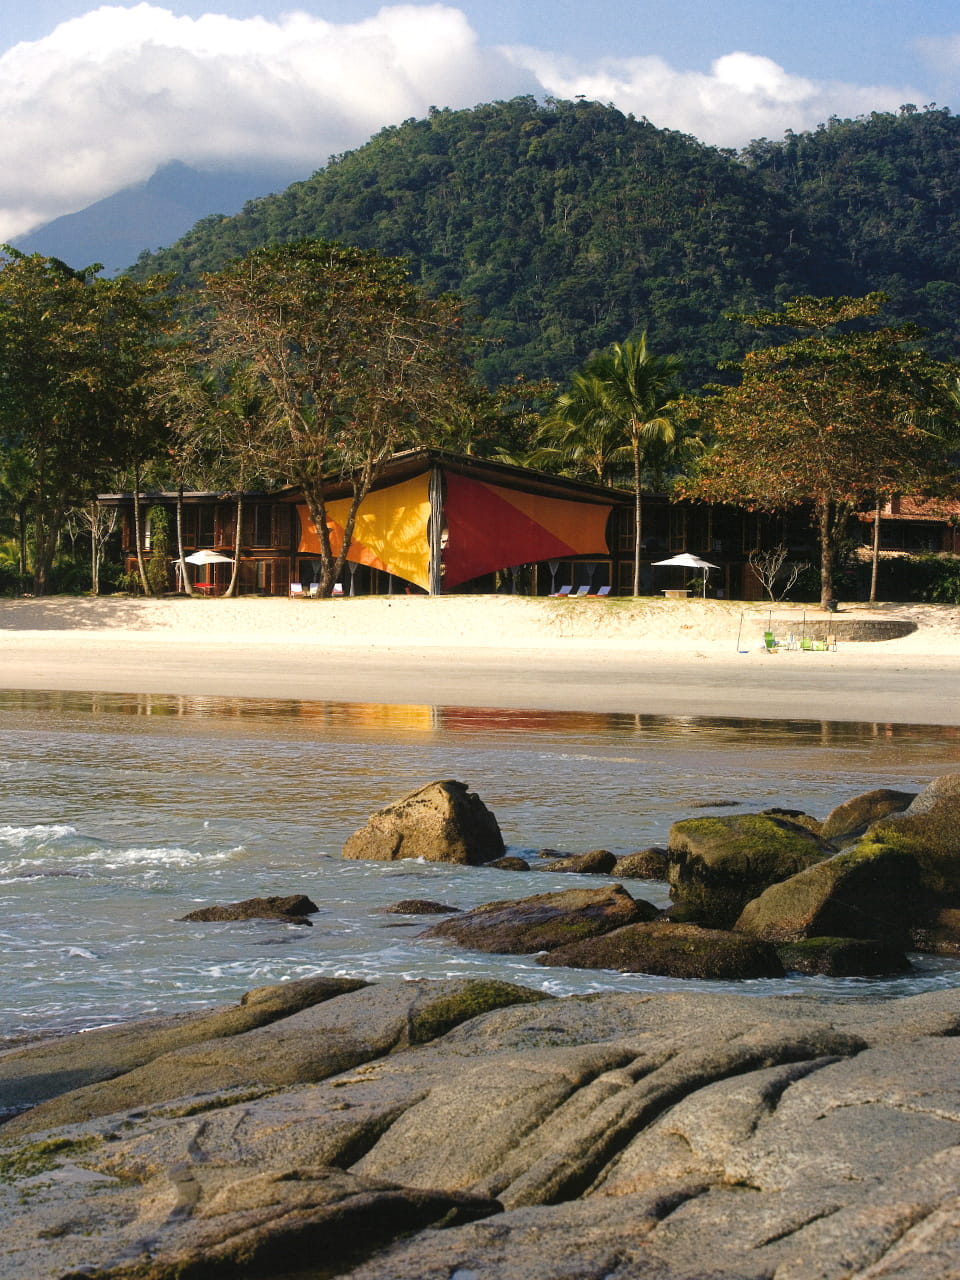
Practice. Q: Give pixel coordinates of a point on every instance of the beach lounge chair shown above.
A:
(770, 641)
(582, 591)
(602, 591)
(337, 589)
(564, 591)
(296, 588)
(314, 590)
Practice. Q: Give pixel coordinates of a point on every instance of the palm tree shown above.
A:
(578, 436)
(620, 407)
(640, 391)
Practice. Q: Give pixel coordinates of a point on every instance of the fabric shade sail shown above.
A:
(390, 532)
(491, 527)
(488, 527)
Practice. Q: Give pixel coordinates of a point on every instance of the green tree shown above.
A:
(833, 418)
(75, 354)
(619, 408)
(352, 362)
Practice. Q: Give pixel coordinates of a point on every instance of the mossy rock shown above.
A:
(544, 921)
(645, 864)
(439, 1015)
(598, 862)
(842, 957)
(929, 831)
(868, 891)
(674, 951)
(717, 865)
(510, 863)
(854, 816)
(796, 818)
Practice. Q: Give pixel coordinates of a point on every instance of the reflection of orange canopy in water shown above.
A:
(492, 527)
(488, 527)
(390, 532)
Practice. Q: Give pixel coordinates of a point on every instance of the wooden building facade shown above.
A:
(442, 522)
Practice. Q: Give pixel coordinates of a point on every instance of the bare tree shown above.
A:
(772, 565)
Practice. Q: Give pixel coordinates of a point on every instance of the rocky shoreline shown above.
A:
(479, 1130)
(424, 1130)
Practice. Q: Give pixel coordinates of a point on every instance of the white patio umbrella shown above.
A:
(687, 561)
(208, 557)
(205, 556)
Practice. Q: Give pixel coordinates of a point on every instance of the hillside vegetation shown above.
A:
(568, 226)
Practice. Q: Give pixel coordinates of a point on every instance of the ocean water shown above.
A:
(121, 813)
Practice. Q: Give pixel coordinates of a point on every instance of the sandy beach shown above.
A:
(692, 657)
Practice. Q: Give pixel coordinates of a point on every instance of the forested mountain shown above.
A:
(567, 226)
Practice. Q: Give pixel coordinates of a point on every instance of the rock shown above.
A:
(37, 1072)
(717, 865)
(543, 922)
(294, 909)
(510, 864)
(622, 1135)
(854, 816)
(938, 933)
(865, 892)
(441, 822)
(928, 830)
(598, 862)
(309, 1045)
(419, 907)
(672, 950)
(842, 957)
(645, 864)
(796, 817)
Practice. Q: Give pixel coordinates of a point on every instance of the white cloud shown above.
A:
(744, 96)
(108, 97)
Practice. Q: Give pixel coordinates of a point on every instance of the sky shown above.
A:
(97, 98)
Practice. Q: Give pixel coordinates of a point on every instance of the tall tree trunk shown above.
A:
(875, 555)
(94, 551)
(237, 542)
(827, 553)
(138, 534)
(184, 572)
(637, 515)
(22, 536)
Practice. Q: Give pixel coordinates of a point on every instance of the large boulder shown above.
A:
(717, 865)
(854, 816)
(865, 892)
(441, 822)
(928, 830)
(672, 950)
(543, 922)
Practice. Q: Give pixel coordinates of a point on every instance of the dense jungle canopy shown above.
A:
(567, 226)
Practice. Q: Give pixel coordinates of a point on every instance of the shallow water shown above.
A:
(120, 813)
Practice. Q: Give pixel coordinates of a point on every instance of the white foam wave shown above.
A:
(160, 855)
(37, 836)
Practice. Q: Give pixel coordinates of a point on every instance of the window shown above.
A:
(206, 525)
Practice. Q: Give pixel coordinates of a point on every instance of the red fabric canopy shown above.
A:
(490, 527)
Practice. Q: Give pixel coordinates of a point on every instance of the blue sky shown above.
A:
(95, 98)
